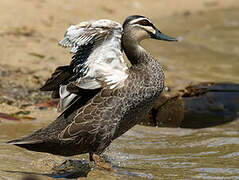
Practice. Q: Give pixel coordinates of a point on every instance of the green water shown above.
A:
(208, 51)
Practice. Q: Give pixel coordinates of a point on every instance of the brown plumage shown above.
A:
(98, 116)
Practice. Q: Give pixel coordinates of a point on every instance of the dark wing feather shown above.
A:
(59, 77)
(65, 74)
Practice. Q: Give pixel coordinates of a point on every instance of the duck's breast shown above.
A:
(140, 93)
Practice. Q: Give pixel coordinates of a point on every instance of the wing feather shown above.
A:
(98, 58)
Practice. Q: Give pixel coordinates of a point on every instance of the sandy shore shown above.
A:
(36, 26)
(30, 31)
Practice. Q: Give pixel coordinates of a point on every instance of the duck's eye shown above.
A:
(145, 23)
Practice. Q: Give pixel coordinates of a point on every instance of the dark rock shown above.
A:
(211, 105)
(196, 106)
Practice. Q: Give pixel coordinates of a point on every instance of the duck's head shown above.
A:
(140, 27)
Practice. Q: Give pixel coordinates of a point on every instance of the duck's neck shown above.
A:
(132, 48)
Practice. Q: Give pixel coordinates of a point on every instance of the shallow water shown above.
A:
(209, 51)
(144, 152)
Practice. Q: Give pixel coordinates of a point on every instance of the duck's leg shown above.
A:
(99, 162)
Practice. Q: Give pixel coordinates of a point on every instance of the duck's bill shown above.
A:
(161, 36)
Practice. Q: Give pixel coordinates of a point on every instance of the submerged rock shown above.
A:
(196, 106)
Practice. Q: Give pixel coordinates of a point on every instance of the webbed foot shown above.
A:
(99, 162)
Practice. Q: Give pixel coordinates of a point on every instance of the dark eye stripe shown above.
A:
(144, 23)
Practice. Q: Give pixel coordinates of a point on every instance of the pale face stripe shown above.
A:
(147, 28)
(139, 19)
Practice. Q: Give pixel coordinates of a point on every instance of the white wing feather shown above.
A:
(105, 65)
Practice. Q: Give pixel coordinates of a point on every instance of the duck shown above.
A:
(101, 96)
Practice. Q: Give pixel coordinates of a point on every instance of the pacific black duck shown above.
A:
(100, 96)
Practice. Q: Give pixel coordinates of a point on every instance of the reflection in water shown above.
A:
(209, 52)
(30, 178)
(69, 169)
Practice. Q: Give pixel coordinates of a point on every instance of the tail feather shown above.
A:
(19, 142)
(42, 146)
(38, 146)
(32, 145)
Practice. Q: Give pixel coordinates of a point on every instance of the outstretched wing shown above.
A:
(97, 61)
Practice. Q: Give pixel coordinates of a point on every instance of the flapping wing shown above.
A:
(86, 33)
(97, 61)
